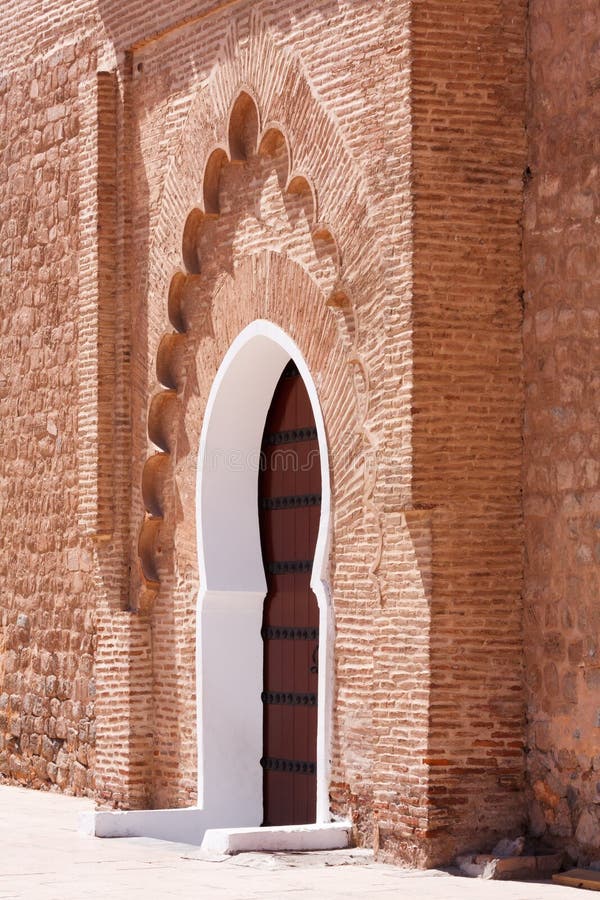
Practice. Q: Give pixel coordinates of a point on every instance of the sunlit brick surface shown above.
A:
(353, 172)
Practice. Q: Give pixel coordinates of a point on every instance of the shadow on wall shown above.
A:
(123, 247)
(149, 21)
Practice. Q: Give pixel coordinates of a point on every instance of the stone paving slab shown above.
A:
(43, 857)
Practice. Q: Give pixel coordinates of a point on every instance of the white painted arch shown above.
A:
(229, 657)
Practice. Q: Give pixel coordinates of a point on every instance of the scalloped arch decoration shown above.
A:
(244, 141)
(189, 242)
(240, 137)
(212, 181)
(271, 140)
(276, 82)
(244, 127)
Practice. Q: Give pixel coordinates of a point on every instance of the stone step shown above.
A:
(330, 836)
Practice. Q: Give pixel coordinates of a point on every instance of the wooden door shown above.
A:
(289, 511)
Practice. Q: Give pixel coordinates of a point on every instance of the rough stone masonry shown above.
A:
(409, 189)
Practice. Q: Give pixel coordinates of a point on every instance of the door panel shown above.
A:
(289, 496)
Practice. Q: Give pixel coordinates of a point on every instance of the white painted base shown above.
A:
(185, 826)
(335, 836)
(193, 826)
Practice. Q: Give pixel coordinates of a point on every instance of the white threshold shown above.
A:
(193, 826)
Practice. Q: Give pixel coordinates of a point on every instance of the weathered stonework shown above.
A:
(46, 647)
(561, 475)
(356, 175)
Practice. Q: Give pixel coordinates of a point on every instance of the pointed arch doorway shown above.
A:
(229, 623)
(247, 773)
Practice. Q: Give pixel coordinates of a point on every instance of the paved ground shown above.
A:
(42, 857)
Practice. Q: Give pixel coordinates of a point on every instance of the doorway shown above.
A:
(230, 647)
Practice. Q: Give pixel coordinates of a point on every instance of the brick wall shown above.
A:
(378, 223)
(469, 152)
